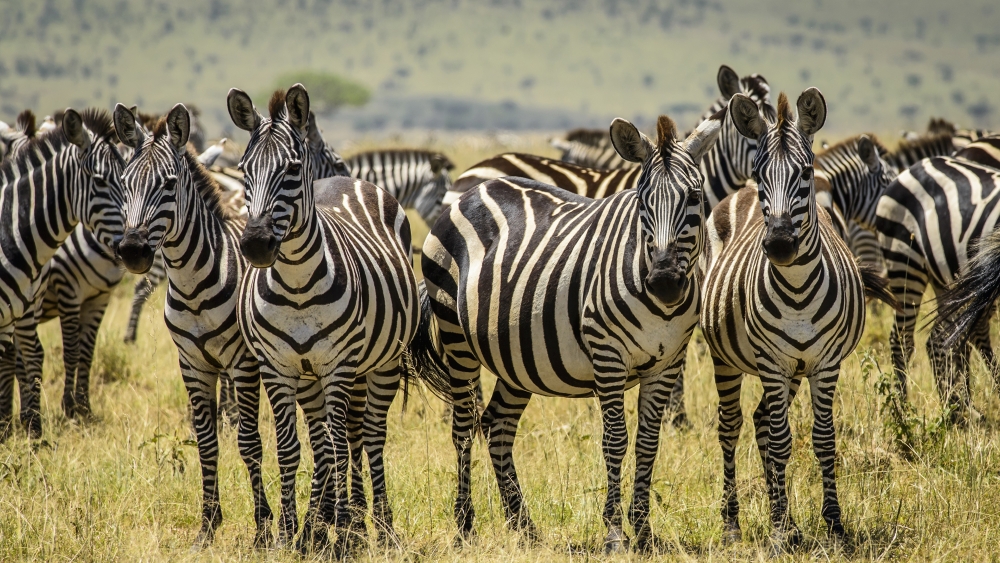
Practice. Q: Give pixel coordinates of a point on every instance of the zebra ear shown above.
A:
(313, 134)
(297, 103)
(73, 128)
(746, 116)
(868, 153)
(126, 128)
(241, 110)
(439, 163)
(729, 82)
(179, 127)
(630, 144)
(704, 136)
(812, 111)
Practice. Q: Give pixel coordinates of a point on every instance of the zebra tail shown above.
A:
(972, 295)
(877, 287)
(421, 360)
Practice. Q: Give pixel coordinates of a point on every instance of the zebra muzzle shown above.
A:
(135, 252)
(258, 243)
(667, 280)
(781, 246)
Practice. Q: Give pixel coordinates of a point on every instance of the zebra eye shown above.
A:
(755, 177)
(294, 168)
(807, 173)
(694, 196)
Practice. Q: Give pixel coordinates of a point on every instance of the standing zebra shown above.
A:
(565, 296)
(60, 179)
(417, 179)
(783, 300)
(331, 303)
(928, 221)
(171, 205)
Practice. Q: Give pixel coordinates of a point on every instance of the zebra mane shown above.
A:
(666, 134)
(917, 146)
(785, 123)
(276, 106)
(26, 123)
(941, 126)
(851, 142)
(98, 121)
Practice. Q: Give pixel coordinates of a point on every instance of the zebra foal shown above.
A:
(565, 296)
(783, 300)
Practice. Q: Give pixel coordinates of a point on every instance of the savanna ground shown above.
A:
(126, 487)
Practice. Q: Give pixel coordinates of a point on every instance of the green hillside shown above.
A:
(882, 65)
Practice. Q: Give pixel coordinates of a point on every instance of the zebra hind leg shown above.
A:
(950, 367)
(653, 397)
(69, 324)
(381, 387)
(32, 356)
(729, 383)
(246, 381)
(779, 391)
(281, 393)
(8, 366)
(321, 513)
(500, 427)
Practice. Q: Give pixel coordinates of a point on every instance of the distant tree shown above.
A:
(327, 91)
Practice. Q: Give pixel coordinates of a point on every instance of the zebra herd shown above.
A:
(580, 277)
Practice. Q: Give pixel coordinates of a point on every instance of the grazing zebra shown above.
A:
(331, 303)
(57, 180)
(417, 179)
(172, 206)
(783, 300)
(565, 296)
(928, 220)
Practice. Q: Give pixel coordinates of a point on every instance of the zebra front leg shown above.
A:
(32, 356)
(322, 509)
(70, 326)
(246, 381)
(382, 386)
(654, 394)
(91, 316)
(822, 386)
(729, 383)
(500, 427)
(614, 444)
(200, 386)
(337, 387)
(358, 503)
(8, 367)
(785, 533)
(281, 393)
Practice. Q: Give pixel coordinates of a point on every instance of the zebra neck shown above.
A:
(304, 253)
(198, 241)
(802, 272)
(726, 166)
(41, 206)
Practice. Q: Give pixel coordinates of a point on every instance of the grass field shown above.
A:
(126, 487)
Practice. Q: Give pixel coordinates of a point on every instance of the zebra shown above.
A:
(590, 151)
(328, 308)
(13, 139)
(782, 299)
(417, 179)
(172, 206)
(928, 220)
(595, 297)
(984, 151)
(57, 180)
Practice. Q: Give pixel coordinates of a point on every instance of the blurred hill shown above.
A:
(510, 64)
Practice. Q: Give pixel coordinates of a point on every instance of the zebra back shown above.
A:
(418, 179)
(914, 149)
(985, 151)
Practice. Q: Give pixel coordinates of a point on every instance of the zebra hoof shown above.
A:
(732, 534)
(680, 421)
(263, 539)
(616, 541)
(785, 541)
(463, 539)
(649, 544)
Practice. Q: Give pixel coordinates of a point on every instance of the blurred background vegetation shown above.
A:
(505, 64)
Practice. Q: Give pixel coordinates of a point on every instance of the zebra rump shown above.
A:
(970, 299)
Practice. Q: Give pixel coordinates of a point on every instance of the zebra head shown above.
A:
(669, 193)
(783, 168)
(860, 175)
(277, 170)
(427, 199)
(155, 201)
(93, 134)
(12, 139)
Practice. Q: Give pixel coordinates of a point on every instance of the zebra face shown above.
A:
(669, 193)
(427, 201)
(277, 171)
(782, 168)
(102, 166)
(153, 202)
(875, 175)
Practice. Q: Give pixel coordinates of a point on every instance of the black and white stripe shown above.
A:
(783, 300)
(58, 180)
(328, 310)
(171, 205)
(566, 296)
(417, 179)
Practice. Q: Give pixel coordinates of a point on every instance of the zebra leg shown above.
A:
(69, 325)
(200, 387)
(322, 501)
(500, 426)
(8, 367)
(778, 394)
(614, 443)
(143, 289)
(382, 388)
(228, 401)
(463, 369)
(358, 503)
(246, 381)
(822, 386)
(653, 397)
(91, 316)
(337, 387)
(951, 373)
(908, 281)
(980, 338)
(281, 393)
(32, 354)
(729, 383)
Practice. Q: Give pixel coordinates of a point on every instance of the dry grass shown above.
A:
(127, 487)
